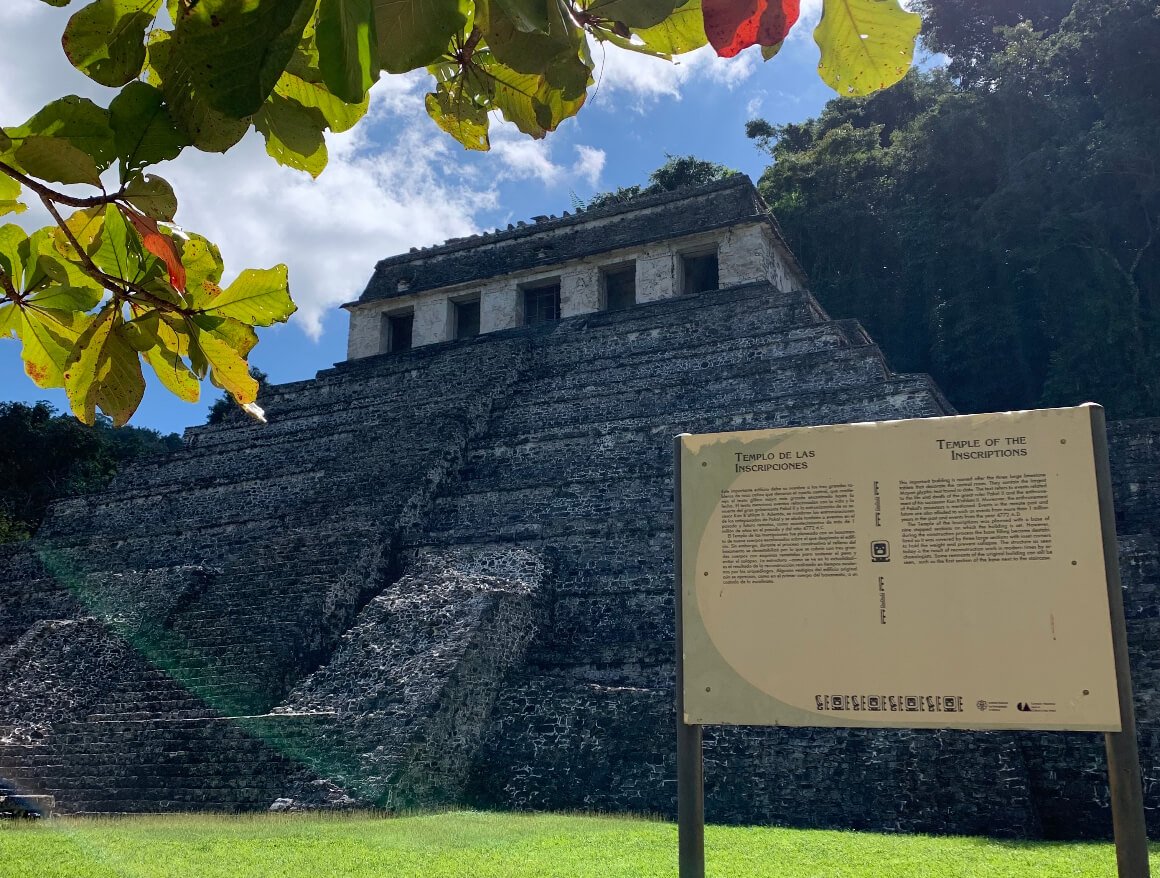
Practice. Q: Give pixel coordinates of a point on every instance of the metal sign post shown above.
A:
(690, 763)
(1124, 785)
(848, 524)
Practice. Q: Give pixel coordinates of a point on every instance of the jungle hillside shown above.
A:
(993, 220)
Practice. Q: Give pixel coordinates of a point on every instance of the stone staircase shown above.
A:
(312, 609)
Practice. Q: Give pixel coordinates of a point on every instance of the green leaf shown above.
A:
(233, 51)
(533, 52)
(339, 115)
(57, 161)
(348, 47)
(153, 196)
(143, 131)
(68, 298)
(106, 39)
(530, 16)
(293, 134)
(258, 297)
(770, 52)
(634, 13)
(681, 32)
(206, 128)
(9, 195)
(104, 370)
(866, 45)
(415, 33)
(69, 141)
(56, 3)
(119, 251)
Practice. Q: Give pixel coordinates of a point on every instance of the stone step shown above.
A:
(764, 343)
(903, 396)
(825, 368)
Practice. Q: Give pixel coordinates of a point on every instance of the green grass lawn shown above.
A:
(480, 845)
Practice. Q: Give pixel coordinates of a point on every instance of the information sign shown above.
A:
(943, 572)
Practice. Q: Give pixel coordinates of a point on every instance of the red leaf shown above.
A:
(158, 244)
(733, 25)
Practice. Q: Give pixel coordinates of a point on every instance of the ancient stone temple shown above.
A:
(441, 573)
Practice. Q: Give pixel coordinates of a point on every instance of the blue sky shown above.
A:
(397, 181)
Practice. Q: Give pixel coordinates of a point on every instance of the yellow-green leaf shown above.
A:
(9, 195)
(203, 266)
(681, 32)
(48, 337)
(340, 116)
(104, 370)
(206, 128)
(174, 374)
(459, 116)
(11, 239)
(866, 45)
(85, 226)
(223, 345)
(9, 320)
(258, 297)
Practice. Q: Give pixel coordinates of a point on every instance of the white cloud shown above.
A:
(376, 197)
(523, 158)
(589, 163)
(645, 79)
(811, 14)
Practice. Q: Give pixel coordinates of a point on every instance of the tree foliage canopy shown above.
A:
(999, 230)
(677, 172)
(45, 455)
(114, 284)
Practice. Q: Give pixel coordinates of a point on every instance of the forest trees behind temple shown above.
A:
(995, 222)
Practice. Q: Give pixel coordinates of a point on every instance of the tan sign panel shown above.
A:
(943, 572)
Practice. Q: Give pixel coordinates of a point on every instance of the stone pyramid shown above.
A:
(442, 575)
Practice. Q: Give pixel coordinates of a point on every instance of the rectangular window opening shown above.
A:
(619, 288)
(542, 303)
(699, 273)
(467, 319)
(397, 331)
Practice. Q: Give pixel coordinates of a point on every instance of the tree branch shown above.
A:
(119, 286)
(9, 290)
(59, 197)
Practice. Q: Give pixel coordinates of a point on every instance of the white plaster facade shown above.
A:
(746, 253)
